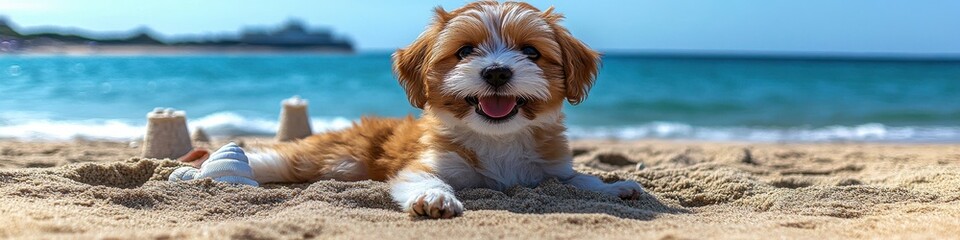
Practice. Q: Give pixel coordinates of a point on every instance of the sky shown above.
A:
(922, 27)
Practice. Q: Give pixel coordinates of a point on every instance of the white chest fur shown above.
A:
(504, 162)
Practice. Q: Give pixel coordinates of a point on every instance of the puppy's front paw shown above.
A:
(434, 203)
(624, 189)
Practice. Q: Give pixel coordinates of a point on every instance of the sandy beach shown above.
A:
(696, 190)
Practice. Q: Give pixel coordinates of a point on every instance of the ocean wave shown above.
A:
(25, 126)
(34, 127)
(43, 129)
(871, 132)
(233, 124)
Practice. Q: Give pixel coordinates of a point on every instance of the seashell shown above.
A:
(228, 164)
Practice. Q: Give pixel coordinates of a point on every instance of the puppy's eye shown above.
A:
(531, 52)
(464, 52)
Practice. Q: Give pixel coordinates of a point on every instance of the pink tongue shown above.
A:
(497, 106)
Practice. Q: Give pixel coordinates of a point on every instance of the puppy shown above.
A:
(491, 79)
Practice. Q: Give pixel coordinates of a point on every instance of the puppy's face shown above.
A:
(496, 68)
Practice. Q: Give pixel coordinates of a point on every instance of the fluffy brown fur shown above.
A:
(382, 147)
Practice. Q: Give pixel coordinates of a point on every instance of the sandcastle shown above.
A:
(200, 136)
(294, 122)
(167, 135)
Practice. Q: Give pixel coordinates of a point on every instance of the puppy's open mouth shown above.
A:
(497, 108)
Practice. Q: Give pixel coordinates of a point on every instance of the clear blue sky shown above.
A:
(838, 26)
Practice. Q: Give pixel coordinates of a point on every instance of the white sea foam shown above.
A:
(233, 124)
(32, 127)
(871, 132)
(38, 127)
(65, 130)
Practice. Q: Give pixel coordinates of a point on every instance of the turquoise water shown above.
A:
(63, 97)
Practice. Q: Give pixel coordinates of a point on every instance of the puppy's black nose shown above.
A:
(496, 75)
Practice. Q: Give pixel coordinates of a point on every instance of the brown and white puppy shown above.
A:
(491, 79)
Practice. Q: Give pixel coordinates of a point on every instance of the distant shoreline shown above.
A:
(135, 50)
(294, 36)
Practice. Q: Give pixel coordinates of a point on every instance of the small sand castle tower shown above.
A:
(294, 122)
(200, 136)
(167, 135)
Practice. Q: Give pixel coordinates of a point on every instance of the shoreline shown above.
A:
(168, 50)
(227, 124)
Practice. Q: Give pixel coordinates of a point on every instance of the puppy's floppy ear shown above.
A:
(580, 63)
(410, 64)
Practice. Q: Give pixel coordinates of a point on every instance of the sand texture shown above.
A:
(695, 190)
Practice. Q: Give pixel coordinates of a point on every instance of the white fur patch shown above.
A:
(453, 169)
(268, 166)
(409, 187)
(481, 124)
(593, 183)
(528, 82)
(505, 160)
(515, 125)
(346, 169)
(563, 170)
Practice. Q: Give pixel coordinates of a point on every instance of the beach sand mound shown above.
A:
(696, 190)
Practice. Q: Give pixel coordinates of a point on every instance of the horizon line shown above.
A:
(758, 54)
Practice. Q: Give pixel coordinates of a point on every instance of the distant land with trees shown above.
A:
(291, 37)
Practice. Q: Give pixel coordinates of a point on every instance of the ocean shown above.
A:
(635, 97)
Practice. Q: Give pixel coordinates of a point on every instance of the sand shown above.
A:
(695, 190)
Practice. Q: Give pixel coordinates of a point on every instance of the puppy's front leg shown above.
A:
(623, 189)
(422, 193)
